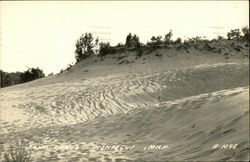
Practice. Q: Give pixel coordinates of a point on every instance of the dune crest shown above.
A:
(168, 108)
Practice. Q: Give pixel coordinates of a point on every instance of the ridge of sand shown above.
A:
(143, 102)
(77, 101)
(190, 126)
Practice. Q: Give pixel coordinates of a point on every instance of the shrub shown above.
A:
(220, 38)
(156, 40)
(17, 153)
(178, 41)
(233, 34)
(196, 39)
(119, 45)
(152, 45)
(61, 71)
(69, 66)
(139, 52)
(104, 48)
(85, 46)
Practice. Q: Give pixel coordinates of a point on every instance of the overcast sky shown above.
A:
(43, 34)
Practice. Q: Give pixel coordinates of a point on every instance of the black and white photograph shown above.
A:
(124, 81)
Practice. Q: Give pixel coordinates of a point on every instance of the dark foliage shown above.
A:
(132, 41)
(156, 40)
(18, 153)
(220, 38)
(85, 46)
(104, 48)
(168, 37)
(32, 74)
(139, 52)
(245, 31)
(119, 45)
(9, 79)
(178, 41)
(233, 34)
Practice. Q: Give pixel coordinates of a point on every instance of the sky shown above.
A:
(43, 33)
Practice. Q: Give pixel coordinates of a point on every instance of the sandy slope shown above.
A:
(190, 126)
(141, 103)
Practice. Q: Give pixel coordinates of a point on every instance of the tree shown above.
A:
(168, 37)
(132, 41)
(4, 77)
(85, 46)
(129, 40)
(8, 79)
(136, 41)
(13, 78)
(245, 31)
(32, 74)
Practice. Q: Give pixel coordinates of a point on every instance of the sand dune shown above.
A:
(190, 127)
(73, 102)
(184, 108)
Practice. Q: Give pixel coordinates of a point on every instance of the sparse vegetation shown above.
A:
(220, 38)
(139, 52)
(86, 43)
(18, 153)
(178, 41)
(233, 34)
(104, 48)
(50, 74)
(61, 71)
(119, 45)
(156, 42)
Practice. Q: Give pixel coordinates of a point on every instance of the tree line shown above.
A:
(8, 79)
